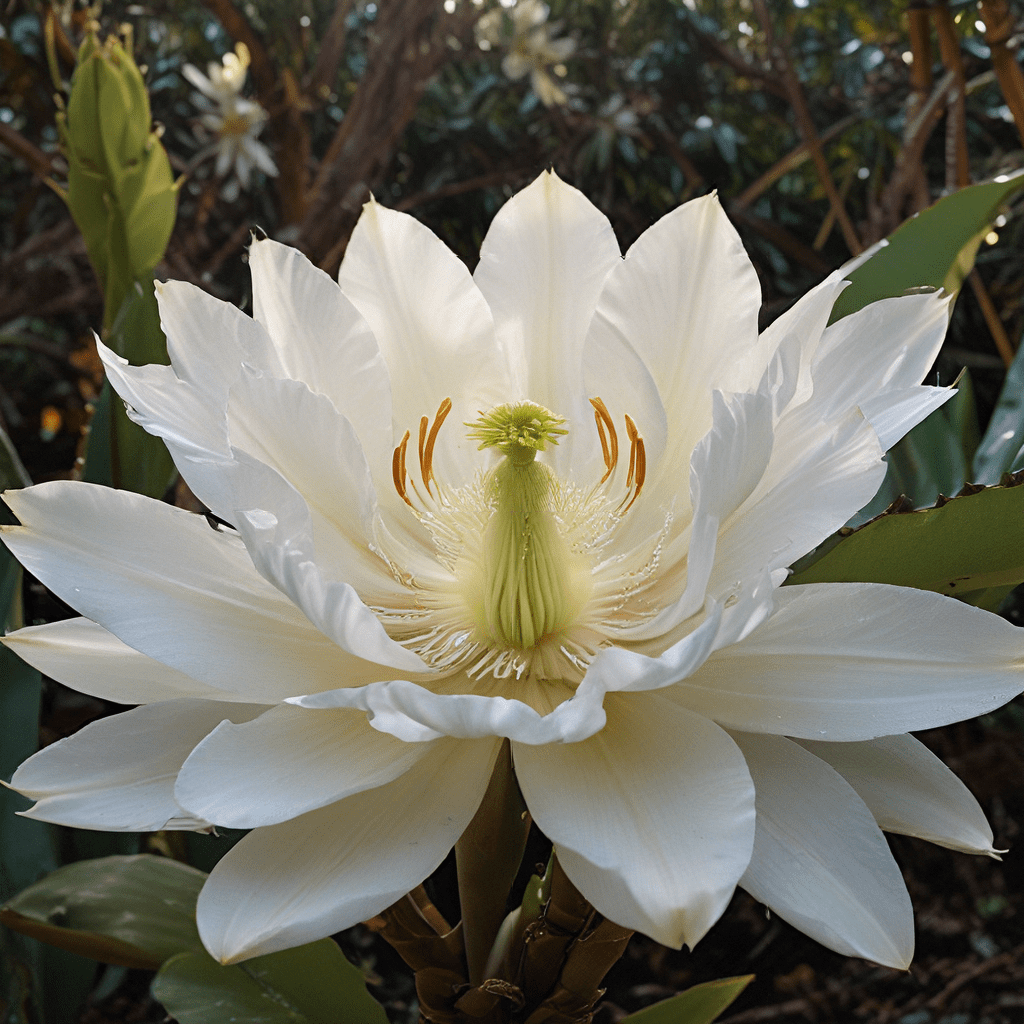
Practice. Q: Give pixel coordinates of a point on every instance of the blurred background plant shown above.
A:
(823, 124)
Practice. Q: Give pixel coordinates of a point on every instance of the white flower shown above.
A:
(338, 670)
(235, 120)
(524, 31)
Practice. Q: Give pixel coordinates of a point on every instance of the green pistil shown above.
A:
(527, 563)
(517, 430)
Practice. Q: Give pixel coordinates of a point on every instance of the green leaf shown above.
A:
(1003, 443)
(970, 543)
(134, 911)
(935, 248)
(698, 1005)
(312, 984)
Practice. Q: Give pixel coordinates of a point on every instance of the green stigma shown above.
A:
(530, 588)
(518, 430)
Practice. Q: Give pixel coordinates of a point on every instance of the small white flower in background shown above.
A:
(523, 30)
(235, 120)
(550, 502)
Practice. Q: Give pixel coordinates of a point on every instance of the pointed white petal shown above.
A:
(432, 325)
(854, 661)
(208, 340)
(893, 413)
(820, 861)
(910, 791)
(288, 884)
(168, 585)
(322, 340)
(117, 774)
(542, 265)
(685, 298)
(819, 474)
(84, 656)
(287, 762)
(652, 818)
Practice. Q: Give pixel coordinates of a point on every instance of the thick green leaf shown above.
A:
(971, 543)
(936, 248)
(698, 1005)
(135, 911)
(1003, 443)
(312, 984)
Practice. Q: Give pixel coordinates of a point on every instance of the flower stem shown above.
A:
(488, 857)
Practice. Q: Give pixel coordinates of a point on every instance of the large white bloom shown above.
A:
(338, 670)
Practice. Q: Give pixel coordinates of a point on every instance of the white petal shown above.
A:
(433, 327)
(84, 656)
(323, 340)
(686, 298)
(893, 413)
(288, 884)
(820, 861)
(415, 714)
(652, 818)
(117, 774)
(208, 340)
(910, 791)
(285, 763)
(818, 476)
(168, 585)
(854, 661)
(542, 265)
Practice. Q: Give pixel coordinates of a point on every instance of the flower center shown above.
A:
(528, 592)
(521, 547)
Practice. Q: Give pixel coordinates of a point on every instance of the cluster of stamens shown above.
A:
(520, 543)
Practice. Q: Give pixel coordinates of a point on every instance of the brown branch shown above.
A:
(740, 64)
(958, 168)
(39, 162)
(320, 80)
(694, 179)
(805, 125)
(789, 162)
(408, 45)
(998, 29)
(458, 188)
(784, 241)
(988, 311)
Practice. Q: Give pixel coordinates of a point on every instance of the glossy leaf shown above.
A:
(971, 543)
(134, 911)
(311, 984)
(698, 1005)
(935, 248)
(1002, 446)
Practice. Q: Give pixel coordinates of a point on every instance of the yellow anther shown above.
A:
(609, 439)
(398, 469)
(637, 462)
(427, 449)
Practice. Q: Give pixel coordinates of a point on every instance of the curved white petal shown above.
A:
(819, 475)
(685, 298)
(542, 265)
(85, 656)
(893, 413)
(287, 762)
(168, 585)
(287, 884)
(432, 325)
(820, 861)
(854, 661)
(117, 774)
(910, 791)
(415, 714)
(208, 339)
(652, 818)
(323, 340)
